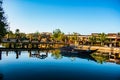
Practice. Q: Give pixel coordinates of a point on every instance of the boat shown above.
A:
(85, 51)
(67, 48)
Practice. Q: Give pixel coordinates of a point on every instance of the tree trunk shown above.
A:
(102, 43)
(91, 43)
(0, 40)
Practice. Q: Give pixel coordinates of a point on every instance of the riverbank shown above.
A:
(101, 49)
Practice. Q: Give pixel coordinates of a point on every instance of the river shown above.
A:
(53, 65)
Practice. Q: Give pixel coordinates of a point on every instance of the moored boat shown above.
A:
(85, 51)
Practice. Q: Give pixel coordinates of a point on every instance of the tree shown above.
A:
(3, 22)
(75, 37)
(92, 39)
(17, 32)
(102, 38)
(58, 35)
(11, 34)
(36, 34)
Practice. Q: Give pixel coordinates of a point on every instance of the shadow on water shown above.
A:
(78, 55)
(1, 76)
(17, 53)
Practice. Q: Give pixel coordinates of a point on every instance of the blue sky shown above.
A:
(82, 16)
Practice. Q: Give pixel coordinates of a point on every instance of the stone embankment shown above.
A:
(101, 49)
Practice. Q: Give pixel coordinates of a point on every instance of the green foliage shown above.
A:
(100, 58)
(56, 54)
(58, 35)
(102, 38)
(92, 39)
(17, 31)
(11, 34)
(3, 22)
(75, 35)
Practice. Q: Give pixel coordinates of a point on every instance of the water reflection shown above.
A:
(80, 55)
(1, 76)
(102, 57)
(38, 54)
(57, 66)
(0, 55)
(18, 53)
(56, 54)
(6, 53)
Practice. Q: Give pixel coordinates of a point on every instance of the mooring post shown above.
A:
(0, 54)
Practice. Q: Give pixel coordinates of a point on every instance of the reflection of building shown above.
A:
(16, 52)
(115, 58)
(107, 57)
(37, 54)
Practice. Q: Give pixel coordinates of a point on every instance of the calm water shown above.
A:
(50, 65)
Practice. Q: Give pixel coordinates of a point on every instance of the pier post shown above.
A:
(17, 54)
(6, 53)
(30, 53)
(0, 54)
(9, 45)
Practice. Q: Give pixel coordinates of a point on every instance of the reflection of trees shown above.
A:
(100, 57)
(17, 54)
(56, 54)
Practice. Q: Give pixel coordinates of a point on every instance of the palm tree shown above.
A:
(17, 33)
(39, 37)
(75, 37)
(102, 38)
(30, 37)
(92, 39)
(36, 35)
